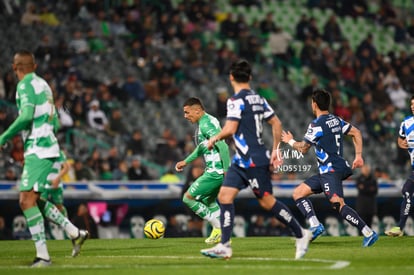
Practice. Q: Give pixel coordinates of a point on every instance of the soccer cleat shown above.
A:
(394, 232)
(219, 251)
(39, 262)
(77, 243)
(368, 241)
(215, 236)
(302, 244)
(317, 231)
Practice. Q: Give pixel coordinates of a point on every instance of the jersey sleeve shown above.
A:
(268, 110)
(235, 108)
(401, 132)
(313, 133)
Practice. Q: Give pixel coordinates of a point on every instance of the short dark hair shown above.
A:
(26, 53)
(322, 98)
(193, 101)
(241, 71)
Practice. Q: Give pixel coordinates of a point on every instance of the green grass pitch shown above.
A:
(252, 255)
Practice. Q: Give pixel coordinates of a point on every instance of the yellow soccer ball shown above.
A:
(154, 229)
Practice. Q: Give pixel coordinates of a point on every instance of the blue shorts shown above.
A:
(258, 178)
(408, 186)
(329, 183)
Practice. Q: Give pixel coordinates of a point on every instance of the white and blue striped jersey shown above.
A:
(250, 110)
(407, 132)
(326, 134)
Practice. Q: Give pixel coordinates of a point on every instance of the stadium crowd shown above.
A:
(163, 45)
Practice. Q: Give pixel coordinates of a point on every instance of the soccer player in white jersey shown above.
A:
(406, 141)
(326, 133)
(201, 196)
(38, 122)
(246, 113)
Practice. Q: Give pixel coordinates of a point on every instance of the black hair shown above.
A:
(193, 101)
(322, 98)
(241, 71)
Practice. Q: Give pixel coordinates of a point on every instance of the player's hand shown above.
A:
(276, 158)
(211, 142)
(179, 167)
(358, 162)
(286, 136)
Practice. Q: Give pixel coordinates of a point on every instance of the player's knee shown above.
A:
(336, 206)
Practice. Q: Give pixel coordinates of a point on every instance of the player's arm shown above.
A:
(301, 146)
(22, 121)
(229, 129)
(355, 133)
(276, 125)
(64, 169)
(190, 158)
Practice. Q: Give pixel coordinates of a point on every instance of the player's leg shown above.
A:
(300, 194)
(334, 192)
(406, 204)
(42, 170)
(232, 184)
(263, 190)
(29, 194)
(201, 199)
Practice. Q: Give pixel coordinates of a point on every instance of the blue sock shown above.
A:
(306, 208)
(404, 209)
(283, 214)
(351, 216)
(227, 221)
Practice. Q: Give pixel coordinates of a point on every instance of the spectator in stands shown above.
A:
(302, 27)
(366, 201)
(398, 95)
(121, 172)
(96, 117)
(138, 171)
(135, 145)
(279, 41)
(83, 220)
(11, 174)
(79, 47)
(221, 103)
(48, 16)
(267, 25)
(170, 177)
(105, 171)
(332, 31)
(307, 91)
(83, 172)
(228, 27)
(134, 88)
(30, 15)
(375, 127)
(366, 51)
(116, 126)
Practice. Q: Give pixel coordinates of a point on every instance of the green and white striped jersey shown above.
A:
(216, 160)
(39, 137)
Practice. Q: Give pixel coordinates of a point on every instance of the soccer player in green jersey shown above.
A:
(202, 194)
(38, 122)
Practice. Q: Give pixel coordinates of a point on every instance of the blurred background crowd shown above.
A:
(121, 69)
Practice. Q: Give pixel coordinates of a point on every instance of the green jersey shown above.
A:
(216, 160)
(39, 136)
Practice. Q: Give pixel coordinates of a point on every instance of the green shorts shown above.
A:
(35, 173)
(206, 187)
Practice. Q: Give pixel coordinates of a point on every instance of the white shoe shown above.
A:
(302, 244)
(219, 251)
(78, 242)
